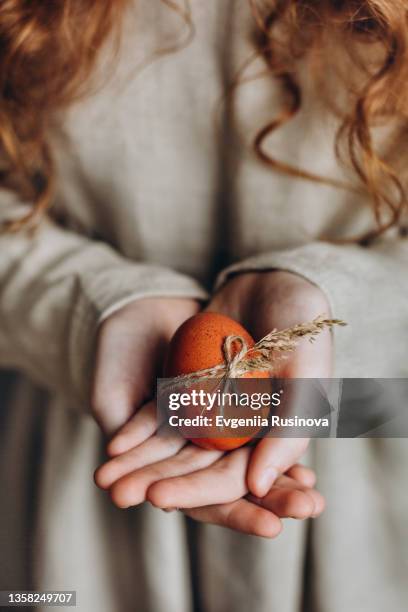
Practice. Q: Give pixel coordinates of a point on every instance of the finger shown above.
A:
(288, 499)
(116, 389)
(111, 411)
(241, 515)
(152, 450)
(221, 483)
(271, 457)
(304, 475)
(140, 427)
(318, 499)
(132, 488)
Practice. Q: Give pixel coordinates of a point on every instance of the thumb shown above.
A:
(271, 458)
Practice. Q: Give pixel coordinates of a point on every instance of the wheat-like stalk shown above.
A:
(264, 356)
(288, 339)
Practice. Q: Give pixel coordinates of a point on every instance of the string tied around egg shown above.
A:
(232, 356)
(264, 356)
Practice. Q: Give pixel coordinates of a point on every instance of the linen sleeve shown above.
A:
(55, 287)
(366, 286)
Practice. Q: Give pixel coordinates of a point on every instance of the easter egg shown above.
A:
(198, 345)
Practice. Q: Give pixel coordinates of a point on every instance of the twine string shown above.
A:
(264, 356)
(232, 356)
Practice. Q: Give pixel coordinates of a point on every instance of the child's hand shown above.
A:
(170, 473)
(261, 302)
(292, 496)
(130, 349)
(216, 494)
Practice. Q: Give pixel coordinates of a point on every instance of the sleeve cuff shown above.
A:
(103, 292)
(366, 287)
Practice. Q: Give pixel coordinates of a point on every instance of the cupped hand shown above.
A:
(262, 302)
(211, 488)
(171, 473)
(131, 346)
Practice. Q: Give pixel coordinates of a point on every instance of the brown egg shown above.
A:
(197, 345)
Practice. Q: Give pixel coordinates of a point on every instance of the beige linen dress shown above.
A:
(154, 192)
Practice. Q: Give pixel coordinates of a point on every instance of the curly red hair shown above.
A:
(48, 51)
(365, 43)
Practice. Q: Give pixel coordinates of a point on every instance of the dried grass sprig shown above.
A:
(262, 357)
